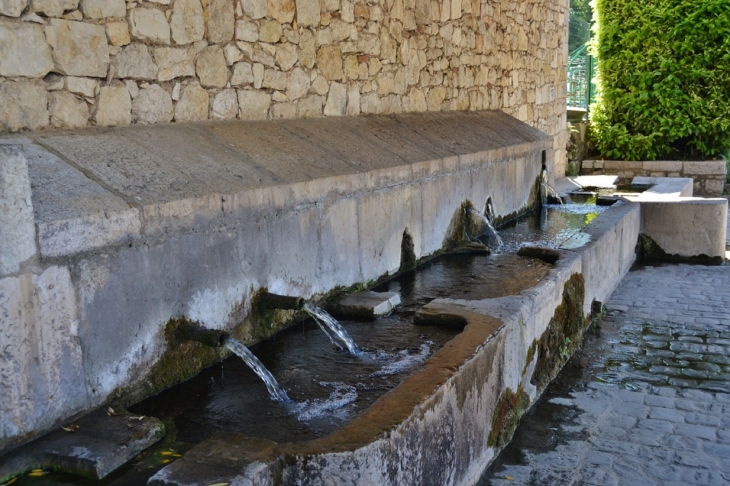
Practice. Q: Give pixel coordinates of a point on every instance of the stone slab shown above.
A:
(160, 164)
(662, 188)
(72, 212)
(366, 304)
(687, 227)
(17, 237)
(93, 446)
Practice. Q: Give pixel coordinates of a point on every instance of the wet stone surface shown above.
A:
(646, 400)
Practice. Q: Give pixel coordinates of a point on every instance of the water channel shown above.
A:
(327, 385)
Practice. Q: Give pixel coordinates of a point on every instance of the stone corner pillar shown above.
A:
(17, 226)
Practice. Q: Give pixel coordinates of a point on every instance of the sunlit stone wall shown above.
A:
(75, 63)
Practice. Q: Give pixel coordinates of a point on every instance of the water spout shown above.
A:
(267, 300)
(547, 190)
(193, 331)
(484, 227)
(277, 393)
(327, 322)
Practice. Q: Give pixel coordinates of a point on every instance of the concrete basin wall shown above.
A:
(133, 227)
(436, 426)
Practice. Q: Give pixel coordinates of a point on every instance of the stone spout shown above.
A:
(271, 301)
(193, 331)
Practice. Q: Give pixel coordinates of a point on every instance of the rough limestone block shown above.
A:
(17, 238)
(99, 9)
(67, 111)
(193, 105)
(225, 105)
(256, 9)
(281, 10)
(329, 62)
(187, 22)
(135, 62)
(152, 105)
(79, 49)
(23, 50)
(253, 105)
(41, 370)
(12, 8)
(221, 21)
(688, 227)
(211, 67)
(149, 25)
(54, 8)
(23, 104)
(118, 33)
(114, 106)
(337, 100)
(365, 304)
(308, 13)
(86, 87)
(242, 74)
(297, 84)
(174, 62)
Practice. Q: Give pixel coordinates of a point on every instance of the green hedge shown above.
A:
(663, 79)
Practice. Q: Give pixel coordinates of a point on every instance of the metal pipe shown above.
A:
(267, 300)
(193, 331)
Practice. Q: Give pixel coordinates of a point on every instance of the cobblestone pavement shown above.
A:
(646, 400)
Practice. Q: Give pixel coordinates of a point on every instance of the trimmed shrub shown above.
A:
(663, 79)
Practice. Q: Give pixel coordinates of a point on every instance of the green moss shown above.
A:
(530, 356)
(407, 253)
(181, 360)
(507, 413)
(563, 334)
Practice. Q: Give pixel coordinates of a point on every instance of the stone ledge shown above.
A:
(709, 175)
(96, 188)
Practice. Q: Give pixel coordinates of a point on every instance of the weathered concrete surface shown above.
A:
(72, 212)
(647, 400)
(365, 304)
(609, 255)
(41, 366)
(430, 432)
(92, 446)
(687, 228)
(216, 211)
(17, 238)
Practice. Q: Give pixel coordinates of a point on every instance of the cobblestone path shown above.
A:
(646, 400)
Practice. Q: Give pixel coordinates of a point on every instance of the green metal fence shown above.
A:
(581, 66)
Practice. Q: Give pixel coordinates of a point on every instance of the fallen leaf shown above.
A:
(509, 478)
(36, 473)
(10, 482)
(166, 461)
(170, 453)
(110, 411)
(219, 484)
(141, 417)
(71, 428)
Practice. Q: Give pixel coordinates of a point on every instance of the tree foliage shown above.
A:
(663, 78)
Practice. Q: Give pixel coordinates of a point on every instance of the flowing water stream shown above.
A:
(318, 386)
(327, 322)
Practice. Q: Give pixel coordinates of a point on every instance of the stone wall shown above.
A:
(74, 63)
(708, 175)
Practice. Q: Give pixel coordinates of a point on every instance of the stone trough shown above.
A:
(122, 233)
